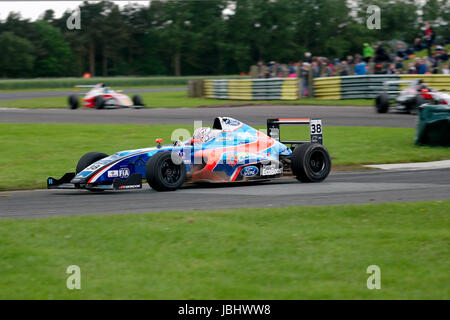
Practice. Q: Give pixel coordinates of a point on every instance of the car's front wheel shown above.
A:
(88, 159)
(165, 171)
(311, 162)
(382, 103)
(99, 102)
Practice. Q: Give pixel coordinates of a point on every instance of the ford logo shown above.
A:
(250, 171)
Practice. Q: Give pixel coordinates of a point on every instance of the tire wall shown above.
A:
(368, 87)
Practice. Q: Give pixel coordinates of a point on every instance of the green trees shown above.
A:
(203, 37)
(16, 55)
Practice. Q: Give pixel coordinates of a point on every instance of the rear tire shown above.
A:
(73, 101)
(88, 159)
(137, 100)
(99, 102)
(382, 103)
(311, 162)
(163, 174)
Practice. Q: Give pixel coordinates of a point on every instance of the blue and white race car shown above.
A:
(230, 151)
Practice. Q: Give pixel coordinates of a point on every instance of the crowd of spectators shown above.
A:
(379, 58)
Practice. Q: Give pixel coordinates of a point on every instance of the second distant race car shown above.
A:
(102, 97)
(411, 98)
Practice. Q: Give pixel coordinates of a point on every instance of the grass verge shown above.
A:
(276, 253)
(179, 99)
(29, 153)
(49, 83)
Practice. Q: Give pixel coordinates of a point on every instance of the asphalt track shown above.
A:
(252, 115)
(13, 95)
(340, 188)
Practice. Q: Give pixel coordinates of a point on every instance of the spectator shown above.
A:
(429, 37)
(360, 69)
(411, 69)
(422, 67)
(344, 68)
(391, 69)
(308, 57)
(261, 69)
(445, 69)
(315, 69)
(368, 52)
(398, 63)
(380, 54)
(401, 52)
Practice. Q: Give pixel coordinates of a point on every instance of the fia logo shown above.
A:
(124, 173)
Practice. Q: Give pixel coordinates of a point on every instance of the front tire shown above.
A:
(99, 102)
(88, 159)
(165, 171)
(382, 103)
(310, 162)
(418, 101)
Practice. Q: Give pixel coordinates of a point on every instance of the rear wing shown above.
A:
(315, 129)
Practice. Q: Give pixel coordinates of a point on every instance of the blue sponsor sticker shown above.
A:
(250, 171)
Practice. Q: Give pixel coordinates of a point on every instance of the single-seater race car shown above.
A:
(102, 97)
(230, 151)
(410, 98)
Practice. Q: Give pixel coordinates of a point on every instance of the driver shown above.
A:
(201, 135)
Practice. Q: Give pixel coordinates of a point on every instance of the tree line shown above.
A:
(170, 37)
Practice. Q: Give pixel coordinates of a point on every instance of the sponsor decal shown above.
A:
(93, 167)
(131, 186)
(232, 122)
(124, 173)
(250, 171)
(271, 170)
(113, 173)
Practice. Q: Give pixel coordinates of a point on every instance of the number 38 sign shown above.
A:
(316, 131)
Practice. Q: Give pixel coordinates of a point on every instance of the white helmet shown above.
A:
(203, 134)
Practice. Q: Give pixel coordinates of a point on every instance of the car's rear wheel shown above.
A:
(382, 103)
(73, 101)
(88, 159)
(165, 171)
(137, 100)
(99, 102)
(311, 162)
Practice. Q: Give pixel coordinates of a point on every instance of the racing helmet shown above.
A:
(203, 134)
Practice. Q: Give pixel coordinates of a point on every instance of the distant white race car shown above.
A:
(102, 97)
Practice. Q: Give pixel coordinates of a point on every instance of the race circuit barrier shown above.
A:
(252, 89)
(368, 87)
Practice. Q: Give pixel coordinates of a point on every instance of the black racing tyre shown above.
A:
(311, 162)
(73, 101)
(164, 173)
(418, 101)
(99, 102)
(382, 103)
(137, 100)
(88, 159)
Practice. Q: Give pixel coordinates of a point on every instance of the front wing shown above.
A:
(133, 182)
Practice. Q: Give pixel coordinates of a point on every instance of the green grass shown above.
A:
(84, 89)
(276, 253)
(48, 83)
(179, 99)
(29, 153)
